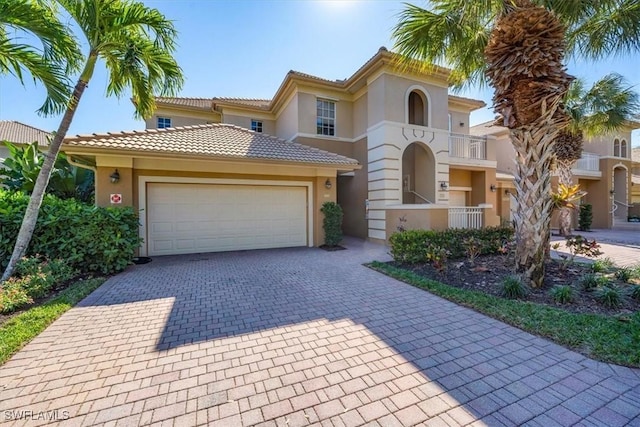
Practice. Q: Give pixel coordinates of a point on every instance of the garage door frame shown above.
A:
(142, 197)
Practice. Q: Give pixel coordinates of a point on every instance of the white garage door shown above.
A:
(192, 218)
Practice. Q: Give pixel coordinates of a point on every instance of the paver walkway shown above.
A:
(298, 337)
(621, 246)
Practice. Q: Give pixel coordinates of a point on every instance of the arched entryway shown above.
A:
(418, 175)
(620, 193)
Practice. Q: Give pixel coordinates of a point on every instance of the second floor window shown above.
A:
(623, 148)
(164, 122)
(418, 109)
(616, 148)
(256, 125)
(326, 121)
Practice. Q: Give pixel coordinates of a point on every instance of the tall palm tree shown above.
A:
(601, 110)
(458, 33)
(49, 64)
(136, 44)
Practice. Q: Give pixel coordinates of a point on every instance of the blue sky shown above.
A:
(244, 48)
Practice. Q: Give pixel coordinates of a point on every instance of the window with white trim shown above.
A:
(164, 122)
(616, 148)
(256, 125)
(326, 118)
(623, 148)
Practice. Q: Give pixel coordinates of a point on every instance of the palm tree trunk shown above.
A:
(534, 150)
(565, 173)
(33, 208)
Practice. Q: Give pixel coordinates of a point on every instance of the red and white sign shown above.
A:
(115, 199)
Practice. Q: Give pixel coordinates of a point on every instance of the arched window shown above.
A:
(616, 148)
(623, 148)
(418, 109)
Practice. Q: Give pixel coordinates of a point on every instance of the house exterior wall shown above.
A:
(287, 121)
(268, 125)
(127, 187)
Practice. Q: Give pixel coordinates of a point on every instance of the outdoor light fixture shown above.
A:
(507, 192)
(612, 191)
(492, 187)
(444, 186)
(327, 184)
(115, 177)
(461, 124)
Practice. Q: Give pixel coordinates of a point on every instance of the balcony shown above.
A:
(588, 165)
(467, 147)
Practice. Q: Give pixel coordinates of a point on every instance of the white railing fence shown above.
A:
(465, 217)
(588, 162)
(467, 147)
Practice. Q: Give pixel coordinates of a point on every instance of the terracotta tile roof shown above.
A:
(251, 102)
(211, 140)
(201, 103)
(19, 133)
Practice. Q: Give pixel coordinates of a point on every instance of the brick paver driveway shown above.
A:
(298, 337)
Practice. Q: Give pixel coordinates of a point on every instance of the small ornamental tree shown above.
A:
(332, 223)
(586, 216)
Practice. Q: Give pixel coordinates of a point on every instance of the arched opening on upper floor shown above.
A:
(417, 107)
(616, 147)
(623, 148)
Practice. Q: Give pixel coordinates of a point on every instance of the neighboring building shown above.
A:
(19, 133)
(386, 143)
(604, 171)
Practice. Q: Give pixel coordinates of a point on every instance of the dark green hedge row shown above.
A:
(412, 246)
(88, 238)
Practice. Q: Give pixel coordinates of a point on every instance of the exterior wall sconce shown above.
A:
(115, 176)
(507, 192)
(612, 191)
(461, 124)
(327, 184)
(444, 186)
(493, 188)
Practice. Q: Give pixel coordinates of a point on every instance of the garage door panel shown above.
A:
(190, 218)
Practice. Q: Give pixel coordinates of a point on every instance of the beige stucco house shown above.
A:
(386, 143)
(604, 171)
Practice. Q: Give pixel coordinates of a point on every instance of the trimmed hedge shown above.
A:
(88, 238)
(413, 246)
(332, 223)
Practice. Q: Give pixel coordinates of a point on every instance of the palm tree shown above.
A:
(136, 44)
(50, 64)
(519, 49)
(601, 110)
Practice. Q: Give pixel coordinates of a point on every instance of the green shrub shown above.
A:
(589, 282)
(411, 246)
(623, 274)
(562, 294)
(438, 257)
(34, 278)
(512, 287)
(602, 265)
(13, 295)
(332, 223)
(635, 292)
(585, 217)
(609, 296)
(89, 238)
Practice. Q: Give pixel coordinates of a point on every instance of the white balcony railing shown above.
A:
(588, 162)
(467, 146)
(465, 217)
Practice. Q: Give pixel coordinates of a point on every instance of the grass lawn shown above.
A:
(22, 328)
(607, 338)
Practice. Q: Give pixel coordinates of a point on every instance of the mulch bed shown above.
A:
(486, 274)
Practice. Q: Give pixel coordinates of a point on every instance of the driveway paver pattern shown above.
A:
(297, 337)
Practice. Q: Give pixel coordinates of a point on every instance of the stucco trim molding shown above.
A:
(425, 92)
(142, 198)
